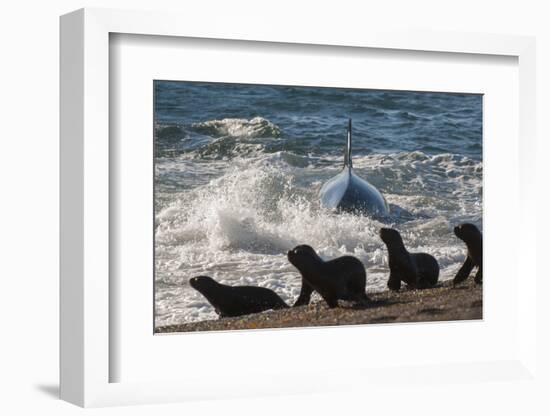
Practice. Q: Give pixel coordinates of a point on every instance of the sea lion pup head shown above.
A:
(303, 257)
(202, 283)
(467, 232)
(391, 237)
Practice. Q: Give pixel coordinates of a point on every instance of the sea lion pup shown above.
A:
(417, 270)
(471, 235)
(341, 278)
(236, 300)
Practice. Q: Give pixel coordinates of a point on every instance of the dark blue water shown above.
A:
(239, 169)
(313, 120)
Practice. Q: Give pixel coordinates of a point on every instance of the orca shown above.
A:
(347, 192)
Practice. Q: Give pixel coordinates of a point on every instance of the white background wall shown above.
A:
(29, 56)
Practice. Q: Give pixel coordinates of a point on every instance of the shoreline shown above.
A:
(441, 303)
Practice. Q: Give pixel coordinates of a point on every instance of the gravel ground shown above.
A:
(442, 303)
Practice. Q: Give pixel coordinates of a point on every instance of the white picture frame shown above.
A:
(86, 355)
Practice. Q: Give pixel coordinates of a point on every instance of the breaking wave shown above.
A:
(217, 139)
(257, 127)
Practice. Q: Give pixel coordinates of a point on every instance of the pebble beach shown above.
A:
(442, 303)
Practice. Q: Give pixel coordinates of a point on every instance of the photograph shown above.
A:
(282, 206)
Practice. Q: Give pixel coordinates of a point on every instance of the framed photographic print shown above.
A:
(237, 209)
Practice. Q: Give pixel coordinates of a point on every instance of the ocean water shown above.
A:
(238, 169)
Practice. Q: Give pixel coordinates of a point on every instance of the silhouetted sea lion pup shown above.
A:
(417, 270)
(471, 235)
(236, 300)
(341, 278)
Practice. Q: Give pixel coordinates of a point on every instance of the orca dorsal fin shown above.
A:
(347, 154)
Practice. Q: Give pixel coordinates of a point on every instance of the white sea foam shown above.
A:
(238, 127)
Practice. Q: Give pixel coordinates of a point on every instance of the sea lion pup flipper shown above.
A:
(331, 301)
(362, 299)
(478, 278)
(471, 235)
(236, 300)
(305, 294)
(329, 297)
(464, 271)
(394, 282)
